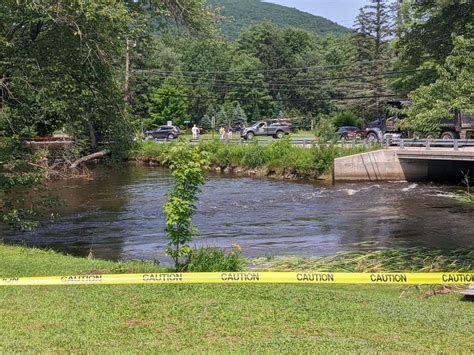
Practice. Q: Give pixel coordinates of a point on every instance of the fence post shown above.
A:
(401, 143)
(428, 144)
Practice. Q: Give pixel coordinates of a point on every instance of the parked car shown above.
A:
(264, 128)
(350, 132)
(164, 132)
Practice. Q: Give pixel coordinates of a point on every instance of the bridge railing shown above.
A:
(428, 143)
(304, 142)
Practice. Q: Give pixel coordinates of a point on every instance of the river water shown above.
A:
(118, 215)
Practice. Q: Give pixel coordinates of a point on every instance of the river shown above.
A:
(118, 215)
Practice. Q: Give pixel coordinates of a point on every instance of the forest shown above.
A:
(397, 50)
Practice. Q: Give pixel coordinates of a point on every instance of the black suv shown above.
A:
(162, 132)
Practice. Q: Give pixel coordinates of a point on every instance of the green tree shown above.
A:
(370, 44)
(450, 93)
(424, 40)
(239, 116)
(186, 164)
(206, 122)
(345, 118)
(221, 118)
(169, 103)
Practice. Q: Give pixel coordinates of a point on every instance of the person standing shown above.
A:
(229, 133)
(195, 132)
(222, 133)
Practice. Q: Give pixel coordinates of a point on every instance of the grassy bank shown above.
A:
(214, 318)
(277, 159)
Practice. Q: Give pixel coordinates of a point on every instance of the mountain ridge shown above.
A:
(240, 14)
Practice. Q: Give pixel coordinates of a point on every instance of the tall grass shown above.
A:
(384, 260)
(280, 157)
(212, 259)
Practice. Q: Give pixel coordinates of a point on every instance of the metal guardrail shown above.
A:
(387, 142)
(429, 143)
(305, 142)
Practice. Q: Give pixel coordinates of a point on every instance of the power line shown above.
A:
(308, 68)
(281, 83)
(296, 100)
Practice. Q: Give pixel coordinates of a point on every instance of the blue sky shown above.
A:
(341, 11)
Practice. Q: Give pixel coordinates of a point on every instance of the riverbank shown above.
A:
(279, 159)
(212, 318)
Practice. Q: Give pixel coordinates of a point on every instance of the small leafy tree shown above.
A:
(325, 130)
(206, 122)
(187, 164)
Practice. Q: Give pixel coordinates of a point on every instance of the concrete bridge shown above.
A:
(406, 163)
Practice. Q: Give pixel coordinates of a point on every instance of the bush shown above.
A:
(345, 118)
(212, 259)
(325, 130)
(254, 156)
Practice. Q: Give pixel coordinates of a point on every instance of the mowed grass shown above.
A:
(215, 318)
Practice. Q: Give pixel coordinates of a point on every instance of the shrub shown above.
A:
(325, 130)
(254, 156)
(345, 118)
(212, 259)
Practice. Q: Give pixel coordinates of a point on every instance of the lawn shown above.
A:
(215, 318)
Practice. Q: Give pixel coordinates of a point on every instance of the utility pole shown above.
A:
(127, 71)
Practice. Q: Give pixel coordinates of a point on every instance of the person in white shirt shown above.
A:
(195, 132)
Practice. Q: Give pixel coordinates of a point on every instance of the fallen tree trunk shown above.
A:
(93, 156)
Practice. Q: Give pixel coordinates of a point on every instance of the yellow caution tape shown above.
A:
(246, 277)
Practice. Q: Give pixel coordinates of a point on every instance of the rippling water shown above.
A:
(119, 215)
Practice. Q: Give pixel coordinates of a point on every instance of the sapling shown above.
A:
(187, 164)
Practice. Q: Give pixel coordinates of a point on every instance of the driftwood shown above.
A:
(100, 154)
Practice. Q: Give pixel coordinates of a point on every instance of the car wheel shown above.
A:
(170, 136)
(249, 136)
(279, 135)
(447, 135)
(372, 137)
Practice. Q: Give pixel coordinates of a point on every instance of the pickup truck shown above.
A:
(263, 128)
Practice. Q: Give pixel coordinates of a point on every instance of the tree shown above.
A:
(221, 118)
(239, 116)
(206, 122)
(424, 41)
(370, 44)
(449, 94)
(186, 164)
(169, 103)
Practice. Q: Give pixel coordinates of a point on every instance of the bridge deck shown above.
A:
(435, 153)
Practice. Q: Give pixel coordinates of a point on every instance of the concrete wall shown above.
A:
(386, 164)
(378, 166)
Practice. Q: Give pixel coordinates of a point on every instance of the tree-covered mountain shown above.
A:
(241, 13)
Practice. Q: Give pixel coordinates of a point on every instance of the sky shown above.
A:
(341, 11)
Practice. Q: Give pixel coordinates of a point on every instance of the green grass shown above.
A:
(280, 157)
(217, 318)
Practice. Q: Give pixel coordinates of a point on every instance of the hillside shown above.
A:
(241, 13)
